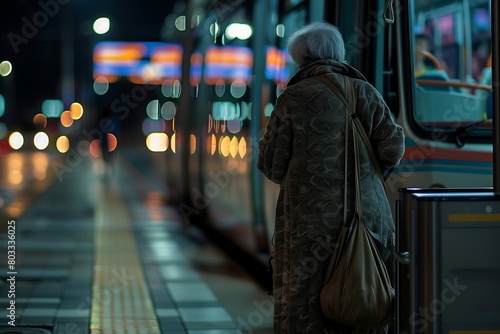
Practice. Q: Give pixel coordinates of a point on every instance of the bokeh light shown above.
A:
(242, 148)
(66, 119)
(192, 143)
(62, 144)
(168, 110)
(157, 142)
(220, 88)
(101, 85)
(225, 146)
(16, 140)
(40, 121)
(180, 23)
(41, 140)
(239, 30)
(213, 147)
(234, 126)
(238, 88)
(234, 147)
(112, 142)
(95, 148)
(5, 68)
(172, 143)
(280, 30)
(76, 110)
(153, 109)
(101, 25)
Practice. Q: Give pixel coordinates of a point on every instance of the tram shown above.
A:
(446, 112)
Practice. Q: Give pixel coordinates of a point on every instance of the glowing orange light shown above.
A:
(233, 147)
(157, 142)
(95, 148)
(112, 142)
(62, 144)
(66, 119)
(192, 142)
(76, 110)
(225, 146)
(40, 121)
(242, 149)
(172, 143)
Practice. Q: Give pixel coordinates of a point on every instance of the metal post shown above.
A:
(185, 103)
(259, 63)
(495, 67)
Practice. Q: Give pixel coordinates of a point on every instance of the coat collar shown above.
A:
(323, 67)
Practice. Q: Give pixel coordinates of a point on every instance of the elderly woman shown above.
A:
(303, 151)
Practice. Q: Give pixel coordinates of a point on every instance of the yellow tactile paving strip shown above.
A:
(121, 302)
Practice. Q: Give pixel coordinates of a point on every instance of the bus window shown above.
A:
(452, 43)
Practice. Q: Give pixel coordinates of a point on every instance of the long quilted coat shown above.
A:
(303, 151)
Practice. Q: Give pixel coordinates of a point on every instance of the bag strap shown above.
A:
(346, 157)
(357, 175)
(349, 87)
(361, 131)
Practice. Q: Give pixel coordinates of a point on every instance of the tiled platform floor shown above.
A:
(105, 255)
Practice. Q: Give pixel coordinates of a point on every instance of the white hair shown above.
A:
(315, 41)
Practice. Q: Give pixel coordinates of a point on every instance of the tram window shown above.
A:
(450, 90)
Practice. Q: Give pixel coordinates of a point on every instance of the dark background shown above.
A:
(44, 38)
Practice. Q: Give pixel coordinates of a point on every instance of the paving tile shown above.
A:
(204, 314)
(38, 312)
(197, 291)
(73, 313)
(176, 272)
(71, 327)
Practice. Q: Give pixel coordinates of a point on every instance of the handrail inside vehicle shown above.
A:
(457, 84)
(430, 56)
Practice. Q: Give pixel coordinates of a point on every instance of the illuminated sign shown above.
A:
(227, 63)
(276, 69)
(140, 62)
(156, 62)
(196, 66)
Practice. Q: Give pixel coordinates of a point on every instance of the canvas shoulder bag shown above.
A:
(357, 290)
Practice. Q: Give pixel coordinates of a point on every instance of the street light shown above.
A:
(101, 25)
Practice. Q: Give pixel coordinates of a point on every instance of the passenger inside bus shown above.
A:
(422, 65)
(427, 66)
